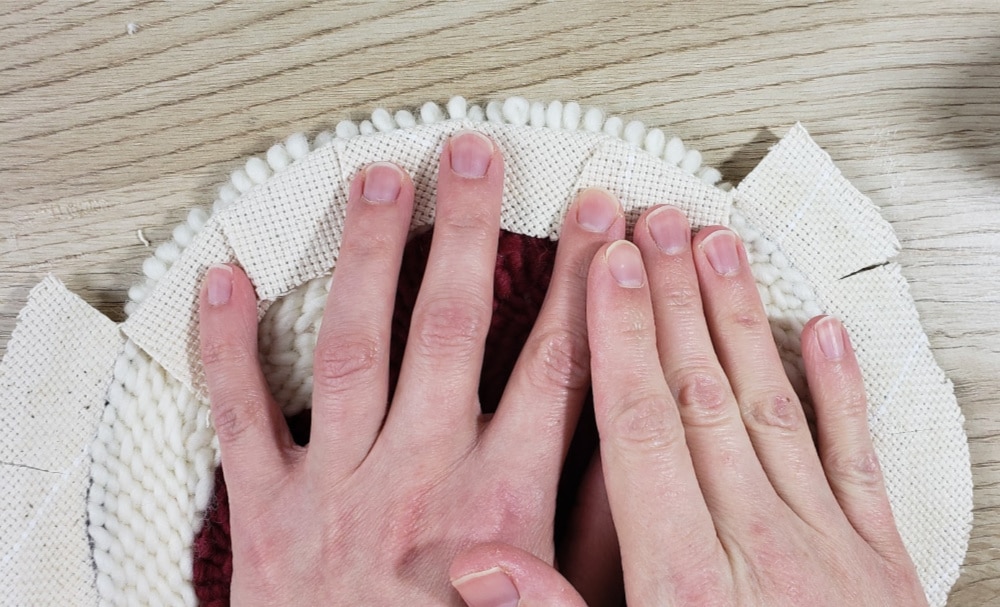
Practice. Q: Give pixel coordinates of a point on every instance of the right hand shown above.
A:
(716, 490)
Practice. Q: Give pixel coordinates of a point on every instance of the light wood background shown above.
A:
(103, 133)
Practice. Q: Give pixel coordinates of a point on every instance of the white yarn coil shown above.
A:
(174, 484)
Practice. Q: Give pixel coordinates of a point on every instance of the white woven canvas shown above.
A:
(807, 230)
(53, 382)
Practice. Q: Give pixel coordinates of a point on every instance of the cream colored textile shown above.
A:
(53, 382)
(810, 236)
(833, 234)
(287, 230)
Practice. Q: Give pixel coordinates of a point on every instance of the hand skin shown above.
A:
(375, 508)
(717, 492)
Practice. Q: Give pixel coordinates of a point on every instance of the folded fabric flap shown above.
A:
(288, 230)
(641, 181)
(916, 423)
(839, 245)
(798, 193)
(165, 326)
(54, 381)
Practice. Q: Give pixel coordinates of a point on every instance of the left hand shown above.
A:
(374, 509)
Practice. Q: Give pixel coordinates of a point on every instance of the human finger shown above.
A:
(542, 400)
(728, 470)
(845, 442)
(666, 533)
(444, 350)
(351, 362)
(254, 440)
(770, 409)
(500, 575)
(590, 558)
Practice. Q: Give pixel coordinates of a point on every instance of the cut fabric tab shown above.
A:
(53, 383)
(814, 221)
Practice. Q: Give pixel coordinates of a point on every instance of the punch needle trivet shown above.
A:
(109, 462)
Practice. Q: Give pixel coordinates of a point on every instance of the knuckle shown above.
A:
(860, 469)
(560, 360)
(225, 353)
(633, 328)
(475, 223)
(681, 296)
(645, 423)
(702, 396)
(779, 410)
(451, 326)
(853, 406)
(346, 362)
(237, 415)
(372, 243)
(703, 584)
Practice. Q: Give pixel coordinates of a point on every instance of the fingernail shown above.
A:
(830, 333)
(220, 284)
(382, 183)
(669, 230)
(720, 248)
(625, 264)
(490, 588)
(471, 153)
(596, 210)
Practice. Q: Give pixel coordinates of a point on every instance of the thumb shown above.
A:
(499, 575)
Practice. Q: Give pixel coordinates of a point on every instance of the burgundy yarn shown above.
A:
(523, 269)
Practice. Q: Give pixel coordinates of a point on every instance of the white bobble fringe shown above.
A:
(494, 112)
(537, 114)
(516, 110)
(183, 234)
(710, 175)
(635, 132)
(571, 116)
(258, 170)
(431, 113)
(154, 268)
(347, 129)
(278, 157)
(197, 219)
(593, 120)
(553, 115)
(691, 162)
(297, 145)
(614, 126)
(168, 252)
(655, 142)
(228, 193)
(675, 151)
(458, 107)
(383, 121)
(405, 119)
(323, 139)
(241, 181)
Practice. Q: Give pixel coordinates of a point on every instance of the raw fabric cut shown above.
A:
(53, 381)
(155, 455)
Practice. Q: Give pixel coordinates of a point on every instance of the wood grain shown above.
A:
(105, 133)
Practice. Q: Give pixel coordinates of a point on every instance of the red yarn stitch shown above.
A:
(523, 269)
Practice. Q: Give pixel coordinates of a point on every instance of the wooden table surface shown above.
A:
(106, 132)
